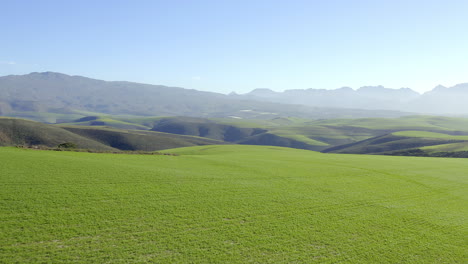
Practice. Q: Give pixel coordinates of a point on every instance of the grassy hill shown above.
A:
(324, 135)
(453, 147)
(24, 132)
(388, 143)
(29, 133)
(231, 204)
(205, 128)
(394, 136)
(250, 132)
(410, 143)
(139, 140)
(426, 134)
(335, 132)
(105, 121)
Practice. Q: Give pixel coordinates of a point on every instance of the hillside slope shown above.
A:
(139, 140)
(324, 135)
(390, 136)
(24, 132)
(15, 132)
(409, 143)
(202, 127)
(387, 144)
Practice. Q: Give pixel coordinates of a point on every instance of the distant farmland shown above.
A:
(231, 204)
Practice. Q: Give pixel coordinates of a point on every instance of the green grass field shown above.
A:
(231, 204)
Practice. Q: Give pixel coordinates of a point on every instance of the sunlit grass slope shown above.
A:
(426, 134)
(401, 123)
(231, 204)
(335, 132)
(15, 132)
(318, 135)
(24, 132)
(105, 121)
(462, 146)
(138, 139)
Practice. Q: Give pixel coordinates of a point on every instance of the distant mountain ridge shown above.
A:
(440, 100)
(57, 90)
(60, 95)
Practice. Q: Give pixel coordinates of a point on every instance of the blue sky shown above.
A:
(239, 45)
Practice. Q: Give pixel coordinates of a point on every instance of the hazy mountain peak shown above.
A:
(383, 90)
(439, 87)
(48, 75)
(262, 92)
(371, 88)
(463, 86)
(345, 88)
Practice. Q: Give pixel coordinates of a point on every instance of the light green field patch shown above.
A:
(427, 134)
(463, 146)
(319, 135)
(298, 137)
(408, 122)
(304, 139)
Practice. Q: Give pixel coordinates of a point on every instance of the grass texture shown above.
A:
(231, 204)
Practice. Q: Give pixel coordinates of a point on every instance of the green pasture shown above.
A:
(417, 122)
(231, 204)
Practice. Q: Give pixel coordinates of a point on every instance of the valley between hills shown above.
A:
(125, 116)
(405, 136)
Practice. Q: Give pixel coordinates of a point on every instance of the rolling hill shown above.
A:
(15, 132)
(389, 143)
(24, 132)
(139, 140)
(409, 143)
(331, 135)
(205, 128)
(412, 135)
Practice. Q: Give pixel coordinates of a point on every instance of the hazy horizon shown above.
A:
(248, 91)
(243, 45)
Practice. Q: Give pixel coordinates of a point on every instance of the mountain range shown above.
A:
(64, 98)
(56, 97)
(440, 100)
